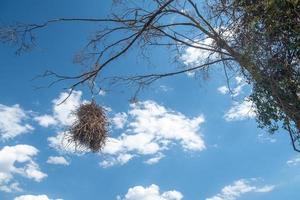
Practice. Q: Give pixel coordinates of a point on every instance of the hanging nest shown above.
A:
(90, 129)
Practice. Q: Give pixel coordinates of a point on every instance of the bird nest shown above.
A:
(90, 129)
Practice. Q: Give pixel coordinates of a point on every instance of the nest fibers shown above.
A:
(90, 129)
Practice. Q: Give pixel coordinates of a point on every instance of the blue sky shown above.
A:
(186, 138)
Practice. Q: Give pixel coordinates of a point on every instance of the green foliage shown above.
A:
(269, 37)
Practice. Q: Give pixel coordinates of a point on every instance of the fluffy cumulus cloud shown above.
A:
(57, 160)
(239, 188)
(239, 84)
(34, 197)
(45, 120)
(223, 89)
(151, 129)
(62, 109)
(18, 160)
(62, 115)
(61, 143)
(150, 193)
(200, 52)
(241, 111)
(62, 112)
(13, 121)
(119, 120)
(193, 56)
(147, 130)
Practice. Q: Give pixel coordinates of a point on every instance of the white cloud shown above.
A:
(34, 197)
(240, 187)
(266, 188)
(155, 159)
(241, 111)
(294, 161)
(45, 120)
(150, 130)
(119, 120)
(195, 56)
(118, 160)
(13, 122)
(57, 160)
(61, 143)
(223, 89)
(237, 89)
(192, 56)
(62, 110)
(22, 156)
(150, 193)
(102, 92)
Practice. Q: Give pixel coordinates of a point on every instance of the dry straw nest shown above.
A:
(90, 129)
